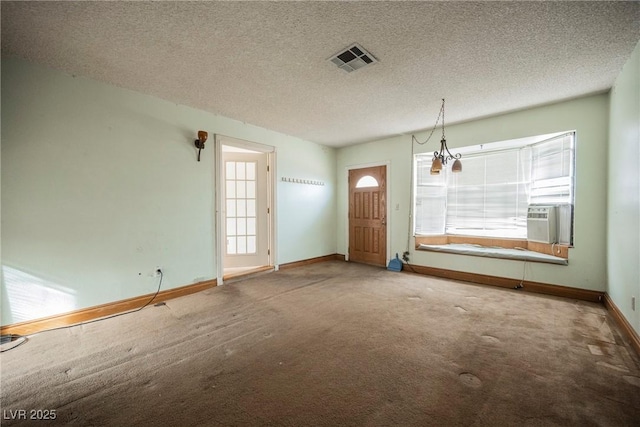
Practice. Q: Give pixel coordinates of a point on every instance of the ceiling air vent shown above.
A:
(353, 58)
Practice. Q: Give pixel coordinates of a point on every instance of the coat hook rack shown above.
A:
(302, 181)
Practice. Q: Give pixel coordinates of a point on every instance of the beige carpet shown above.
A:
(333, 344)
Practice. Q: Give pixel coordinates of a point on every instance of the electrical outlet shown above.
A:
(633, 303)
(156, 272)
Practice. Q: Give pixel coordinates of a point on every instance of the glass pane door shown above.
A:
(241, 202)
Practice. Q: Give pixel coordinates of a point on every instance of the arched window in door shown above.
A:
(367, 181)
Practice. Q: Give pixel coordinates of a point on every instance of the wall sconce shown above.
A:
(202, 138)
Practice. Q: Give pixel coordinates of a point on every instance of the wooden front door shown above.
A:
(368, 215)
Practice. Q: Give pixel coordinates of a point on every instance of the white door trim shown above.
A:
(219, 243)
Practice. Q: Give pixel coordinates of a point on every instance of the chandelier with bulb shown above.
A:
(442, 156)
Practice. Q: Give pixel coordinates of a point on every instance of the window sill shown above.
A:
(517, 249)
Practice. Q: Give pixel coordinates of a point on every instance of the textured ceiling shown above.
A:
(266, 63)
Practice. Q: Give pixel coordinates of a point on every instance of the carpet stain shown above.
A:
(595, 350)
(267, 335)
(470, 380)
(609, 365)
(150, 384)
(460, 309)
(491, 339)
(632, 380)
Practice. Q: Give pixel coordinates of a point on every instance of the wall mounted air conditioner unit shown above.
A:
(541, 224)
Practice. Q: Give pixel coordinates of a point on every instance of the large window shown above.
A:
(499, 181)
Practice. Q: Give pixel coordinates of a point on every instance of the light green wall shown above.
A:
(588, 116)
(100, 185)
(306, 214)
(395, 153)
(623, 222)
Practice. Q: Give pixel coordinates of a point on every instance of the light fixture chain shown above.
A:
(442, 111)
(440, 158)
(440, 114)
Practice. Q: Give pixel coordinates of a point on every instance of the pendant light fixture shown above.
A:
(442, 156)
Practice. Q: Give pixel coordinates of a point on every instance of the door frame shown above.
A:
(219, 243)
(348, 168)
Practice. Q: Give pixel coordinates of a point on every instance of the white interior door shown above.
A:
(245, 209)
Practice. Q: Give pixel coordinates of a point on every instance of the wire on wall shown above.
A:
(411, 195)
(411, 182)
(524, 270)
(21, 339)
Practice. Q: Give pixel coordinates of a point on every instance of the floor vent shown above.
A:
(353, 58)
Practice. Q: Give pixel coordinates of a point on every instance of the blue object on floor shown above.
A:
(395, 264)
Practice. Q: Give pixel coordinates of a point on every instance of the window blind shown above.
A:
(552, 171)
(490, 197)
(431, 199)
